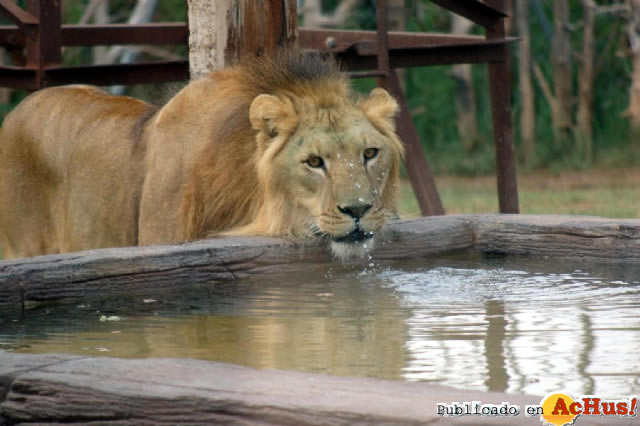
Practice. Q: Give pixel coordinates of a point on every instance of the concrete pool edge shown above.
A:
(73, 389)
(132, 268)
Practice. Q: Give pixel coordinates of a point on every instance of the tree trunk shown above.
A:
(586, 77)
(634, 43)
(101, 17)
(465, 95)
(562, 79)
(313, 17)
(207, 37)
(223, 30)
(527, 113)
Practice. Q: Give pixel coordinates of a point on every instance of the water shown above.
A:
(499, 324)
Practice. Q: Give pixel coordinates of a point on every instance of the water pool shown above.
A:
(489, 323)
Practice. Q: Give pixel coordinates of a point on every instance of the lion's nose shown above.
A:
(355, 212)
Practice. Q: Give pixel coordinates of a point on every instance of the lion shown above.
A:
(272, 146)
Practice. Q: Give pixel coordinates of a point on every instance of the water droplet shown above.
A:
(361, 199)
(371, 265)
(358, 185)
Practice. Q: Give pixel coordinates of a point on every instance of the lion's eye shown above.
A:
(370, 153)
(315, 162)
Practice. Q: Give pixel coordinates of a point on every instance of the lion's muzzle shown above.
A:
(355, 236)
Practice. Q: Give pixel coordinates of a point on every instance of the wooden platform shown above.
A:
(125, 269)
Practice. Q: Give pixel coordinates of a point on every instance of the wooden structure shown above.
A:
(241, 27)
(35, 46)
(266, 23)
(377, 54)
(224, 259)
(58, 389)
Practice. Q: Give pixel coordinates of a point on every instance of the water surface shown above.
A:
(475, 322)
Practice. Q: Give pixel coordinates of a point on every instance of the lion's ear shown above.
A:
(380, 108)
(272, 115)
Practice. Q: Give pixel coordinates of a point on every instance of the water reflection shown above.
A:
(494, 324)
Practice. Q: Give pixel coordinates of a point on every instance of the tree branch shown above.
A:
(142, 12)
(542, 19)
(619, 8)
(313, 16)
(90, 11)
(544, 85)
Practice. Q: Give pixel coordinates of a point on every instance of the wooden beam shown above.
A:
(60, 388)
(311, 38)
(418, 169)
(18, 15)
(18, 77)
(110, 74)
(57, 389)
(159, 33)
(77, 274)
(362, 56)
(476, 11)
(130, 268)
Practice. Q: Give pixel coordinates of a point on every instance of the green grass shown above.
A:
(611, 193)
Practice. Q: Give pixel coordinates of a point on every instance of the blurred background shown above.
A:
(575, 85)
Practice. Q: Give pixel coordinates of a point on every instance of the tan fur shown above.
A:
(82, 169)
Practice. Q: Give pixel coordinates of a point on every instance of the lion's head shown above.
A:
(327, 163)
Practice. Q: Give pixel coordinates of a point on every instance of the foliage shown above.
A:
(431, 92)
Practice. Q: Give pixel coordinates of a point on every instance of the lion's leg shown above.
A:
(30, 233)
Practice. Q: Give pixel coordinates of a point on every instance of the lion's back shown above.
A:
(68, 157)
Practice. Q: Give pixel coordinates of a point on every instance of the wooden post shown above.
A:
(223, 30)
(500, 89)
(45, 49)
(417, 166)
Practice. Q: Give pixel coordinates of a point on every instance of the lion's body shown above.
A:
(81, 169)
(60, 182)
